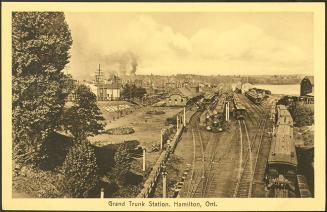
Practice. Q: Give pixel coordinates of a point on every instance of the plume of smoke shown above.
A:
(119, 63)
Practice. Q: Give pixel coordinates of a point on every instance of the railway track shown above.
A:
(206, 186)
(242, 187)
(214, 165)
(204, 183)
(198, 158)
(252, 166)
(206, 162)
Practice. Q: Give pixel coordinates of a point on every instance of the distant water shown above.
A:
(293, 89)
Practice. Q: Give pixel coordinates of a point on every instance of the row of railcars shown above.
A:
(282, 160)
(238, 108)
(215, 115)
(254, 96)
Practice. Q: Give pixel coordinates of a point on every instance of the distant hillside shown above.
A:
(216, 79)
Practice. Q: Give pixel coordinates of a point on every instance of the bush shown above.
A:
(80, 170)
(122, 165)
(120, 131)
(37, 183)
(155, 112)
(302, 115)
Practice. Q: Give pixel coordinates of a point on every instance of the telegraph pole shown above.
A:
(227, 111)
(184, 120)
(144, 151)
(164, 181)
(161, 139)
(102, 193)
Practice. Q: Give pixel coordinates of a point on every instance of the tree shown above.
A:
(122, 164)
(131, 92)
(84, 118)
(126, 92)
(139, 92)
(302, 115)
(40, 51)
(80, 171)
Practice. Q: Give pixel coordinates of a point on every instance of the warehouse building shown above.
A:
(181, 96)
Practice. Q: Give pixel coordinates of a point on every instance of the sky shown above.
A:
(191, 43)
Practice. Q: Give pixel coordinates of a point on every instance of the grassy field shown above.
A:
(147, 129)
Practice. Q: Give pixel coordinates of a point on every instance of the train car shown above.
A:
(283, 116)
(215, 116)
(239, 109)
(282, 159)
(255, 97)
(208, 98)
(219, 117)
(264, 92)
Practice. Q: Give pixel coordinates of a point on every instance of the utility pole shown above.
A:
(226, 111)
(102, 193)
(164, 181)
(177, 123)
(144, 151)
(161, 139)
(184, 117)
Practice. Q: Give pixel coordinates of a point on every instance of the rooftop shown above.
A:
(282, 146)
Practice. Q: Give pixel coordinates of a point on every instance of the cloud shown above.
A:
(159, 49)
(153, 40)
(142, 37)
(245, 43)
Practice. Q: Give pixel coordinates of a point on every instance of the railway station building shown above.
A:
(180, 96)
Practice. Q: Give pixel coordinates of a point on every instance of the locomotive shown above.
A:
(282, 160)
(215, 116)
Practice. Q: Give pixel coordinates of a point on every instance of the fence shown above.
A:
(156, 170)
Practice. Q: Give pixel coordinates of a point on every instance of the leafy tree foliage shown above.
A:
(80, 171)
(303, 115)
(131, 92)
(40, 51)
(84, 118)
(122, 163)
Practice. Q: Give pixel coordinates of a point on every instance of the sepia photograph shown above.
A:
(129, 105)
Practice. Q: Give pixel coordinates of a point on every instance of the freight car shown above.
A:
(255, 97)
(282, 160)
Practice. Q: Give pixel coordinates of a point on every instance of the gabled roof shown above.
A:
(310, 78)
(185, 92)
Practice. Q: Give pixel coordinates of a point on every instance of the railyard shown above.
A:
(172, 107)
(231, 163)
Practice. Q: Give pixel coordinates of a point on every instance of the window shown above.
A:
(182, 100)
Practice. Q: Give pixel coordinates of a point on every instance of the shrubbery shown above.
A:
(120, 131)
(80, 170)
(303, 115)
(122, 164)
(37, 183)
